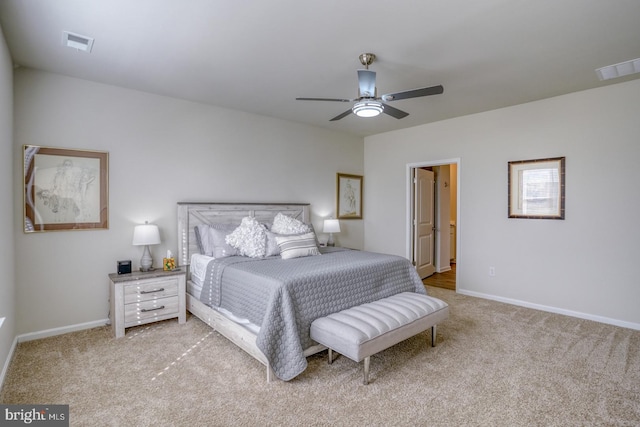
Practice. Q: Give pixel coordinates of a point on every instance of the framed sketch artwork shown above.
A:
(65, 189)
(349, 203)
(536, 188)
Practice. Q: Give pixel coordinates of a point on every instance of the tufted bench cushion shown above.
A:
(362, 331)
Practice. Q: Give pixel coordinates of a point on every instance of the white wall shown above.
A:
(161, 151)
(7, 231)
(584, 265)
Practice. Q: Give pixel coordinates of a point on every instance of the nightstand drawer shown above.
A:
(150, 290)
(142, 312)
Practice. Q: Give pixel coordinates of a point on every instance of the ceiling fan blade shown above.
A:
(367, 84)
(394, 112)
(325, 99)
(425, 91)
(341, 116)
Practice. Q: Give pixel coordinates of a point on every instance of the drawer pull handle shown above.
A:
(146, 310)
(151, 292)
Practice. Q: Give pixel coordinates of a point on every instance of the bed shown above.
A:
(265, 305)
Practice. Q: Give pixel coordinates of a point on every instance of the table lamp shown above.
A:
(331, 226)
(146, 234)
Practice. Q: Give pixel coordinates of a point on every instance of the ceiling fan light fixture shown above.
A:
(367, 108)
(368, 104)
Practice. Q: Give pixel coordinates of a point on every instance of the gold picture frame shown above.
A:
(537, 188)
(349, 196)
(65, 189)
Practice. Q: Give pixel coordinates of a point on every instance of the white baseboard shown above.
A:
(7, 362)
(550, 309)
(62, 330)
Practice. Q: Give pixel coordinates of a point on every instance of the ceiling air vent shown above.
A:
(619, 70)
(77, 41)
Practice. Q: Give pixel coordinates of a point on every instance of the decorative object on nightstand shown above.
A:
(169, 263)
(146, 234)
(331, 226)
(144, 297)
(124, 267)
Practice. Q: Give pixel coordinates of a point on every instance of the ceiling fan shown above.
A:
(368, 104)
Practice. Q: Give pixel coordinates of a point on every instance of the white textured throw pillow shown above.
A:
(249, 238)
(300, 245)
(284, 224)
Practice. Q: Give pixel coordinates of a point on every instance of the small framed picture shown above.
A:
(349, 197)
(536, 188)
(65, 189)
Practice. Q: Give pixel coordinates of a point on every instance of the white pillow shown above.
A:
(218, 238)
(272, 247)
(284, 224)
(249, 238)
(211, 239)
(296, 246)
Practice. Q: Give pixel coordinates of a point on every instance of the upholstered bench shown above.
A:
(362, 331)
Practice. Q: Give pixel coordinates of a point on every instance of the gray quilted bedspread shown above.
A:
(283, 297)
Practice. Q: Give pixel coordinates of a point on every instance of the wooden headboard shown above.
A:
(192, 214)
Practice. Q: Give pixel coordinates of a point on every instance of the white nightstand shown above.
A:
(144, 297)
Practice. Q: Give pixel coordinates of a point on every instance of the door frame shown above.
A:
(410, 204)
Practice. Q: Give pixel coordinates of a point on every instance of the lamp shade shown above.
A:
(331, 226)
(146, 234)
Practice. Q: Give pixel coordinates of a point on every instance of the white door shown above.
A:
(424, 221)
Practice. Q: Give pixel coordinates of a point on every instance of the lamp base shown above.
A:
(330, 242)
(146, 262)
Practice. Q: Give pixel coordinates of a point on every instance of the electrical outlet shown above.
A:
(492, 271)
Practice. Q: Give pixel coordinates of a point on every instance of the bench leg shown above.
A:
(433, 336)
(330, 356)
(366, 370)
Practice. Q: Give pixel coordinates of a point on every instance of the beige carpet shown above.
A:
(495, 365)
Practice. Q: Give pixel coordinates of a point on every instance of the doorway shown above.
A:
(443, 243)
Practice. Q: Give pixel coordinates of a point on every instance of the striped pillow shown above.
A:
(296, 246)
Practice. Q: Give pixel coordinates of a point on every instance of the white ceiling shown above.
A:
(258, 56)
